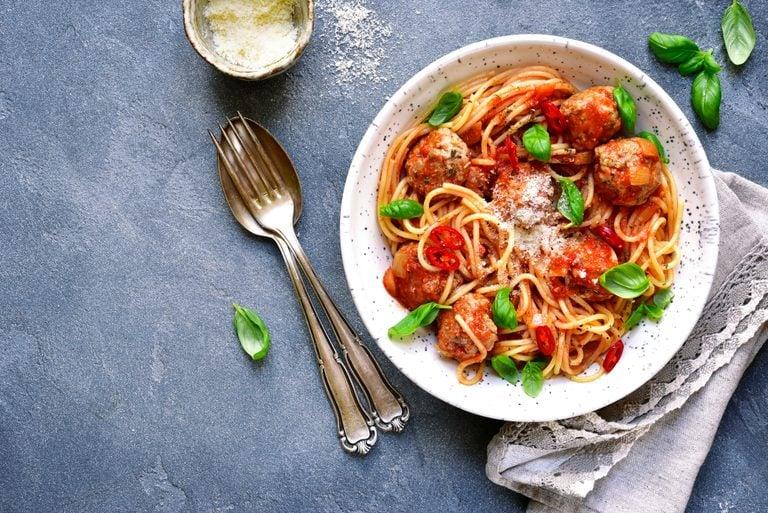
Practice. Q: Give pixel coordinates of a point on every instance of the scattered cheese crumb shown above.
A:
(252, 33)
(358, 41)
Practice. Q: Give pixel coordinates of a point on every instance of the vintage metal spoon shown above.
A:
(356, 429)
(275, 210)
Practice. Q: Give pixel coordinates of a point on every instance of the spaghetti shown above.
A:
(511, 232)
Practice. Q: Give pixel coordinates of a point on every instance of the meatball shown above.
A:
(453, 341)
(592, 117)
(480, 179)
(577, 269)
(411, 284)
(627, 171)
(525, 197)
(440, 156)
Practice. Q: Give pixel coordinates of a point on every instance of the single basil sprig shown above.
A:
(653, 310)
(663, 298)
(422, 316)
(505, 367)
(627, 109)
(692, 65)
(571, 202)
(533, 377)
(672, 48)
(448, 106)
(656, 142)
(635, 317)
(537, 143)
(705, 97)
(738, 33)
(710, 64)
(404, 208)
(252, 332)
(627, 280)
(643, 310)
(700, 61)
(504, 313)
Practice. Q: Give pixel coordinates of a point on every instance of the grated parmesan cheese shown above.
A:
(536, 199)
(252, 33)
(539, 241)
(525, 205)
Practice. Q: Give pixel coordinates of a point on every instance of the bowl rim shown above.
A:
(277, 67)
(701, 161)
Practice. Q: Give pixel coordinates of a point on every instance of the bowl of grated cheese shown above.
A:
(249, 39)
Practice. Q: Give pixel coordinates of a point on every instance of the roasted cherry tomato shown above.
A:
(545, 340)
(511, 150)
(442, 258)
(556, 122)
(542, 92)
(608, 235)
(612, 355)
(446, 237)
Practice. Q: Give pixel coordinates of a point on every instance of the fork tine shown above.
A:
(256, 163)
(276, 176)
(244, 190)
(257, 184)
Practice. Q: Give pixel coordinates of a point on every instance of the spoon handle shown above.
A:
(357, 433)
(388, 407)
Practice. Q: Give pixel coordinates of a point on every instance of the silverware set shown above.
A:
(262, 189)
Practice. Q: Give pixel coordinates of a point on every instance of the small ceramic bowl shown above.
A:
(199, 36)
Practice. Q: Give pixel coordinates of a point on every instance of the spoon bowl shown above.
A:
(280, 159)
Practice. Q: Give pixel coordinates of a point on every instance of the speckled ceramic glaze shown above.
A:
(648, 347)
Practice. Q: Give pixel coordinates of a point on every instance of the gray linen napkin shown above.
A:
(648, 447)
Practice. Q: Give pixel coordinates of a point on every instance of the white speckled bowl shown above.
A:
(648, 347)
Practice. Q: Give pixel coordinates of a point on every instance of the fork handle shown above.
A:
(388, 407)
(356, 429)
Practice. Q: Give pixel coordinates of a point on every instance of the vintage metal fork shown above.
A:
(273, 209)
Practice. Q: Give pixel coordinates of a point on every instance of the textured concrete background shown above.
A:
(122, 386)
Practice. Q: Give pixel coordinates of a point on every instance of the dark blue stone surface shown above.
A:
(122, 386)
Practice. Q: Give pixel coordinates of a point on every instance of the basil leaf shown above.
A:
(738, 33)
(505, 367)
(663, 298)
(653, 311)
(635, 317)
(422, 316)
(672, 48)
(448, 106)
(252, 332)
(626, 280)
(710, 64)
(504, 313)
(537, 143)
(656, 142)
(627, 109)
(700, 61)
(705, 98)
(692, 65)
(533, 377)
(571, 202)
(402, 209)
